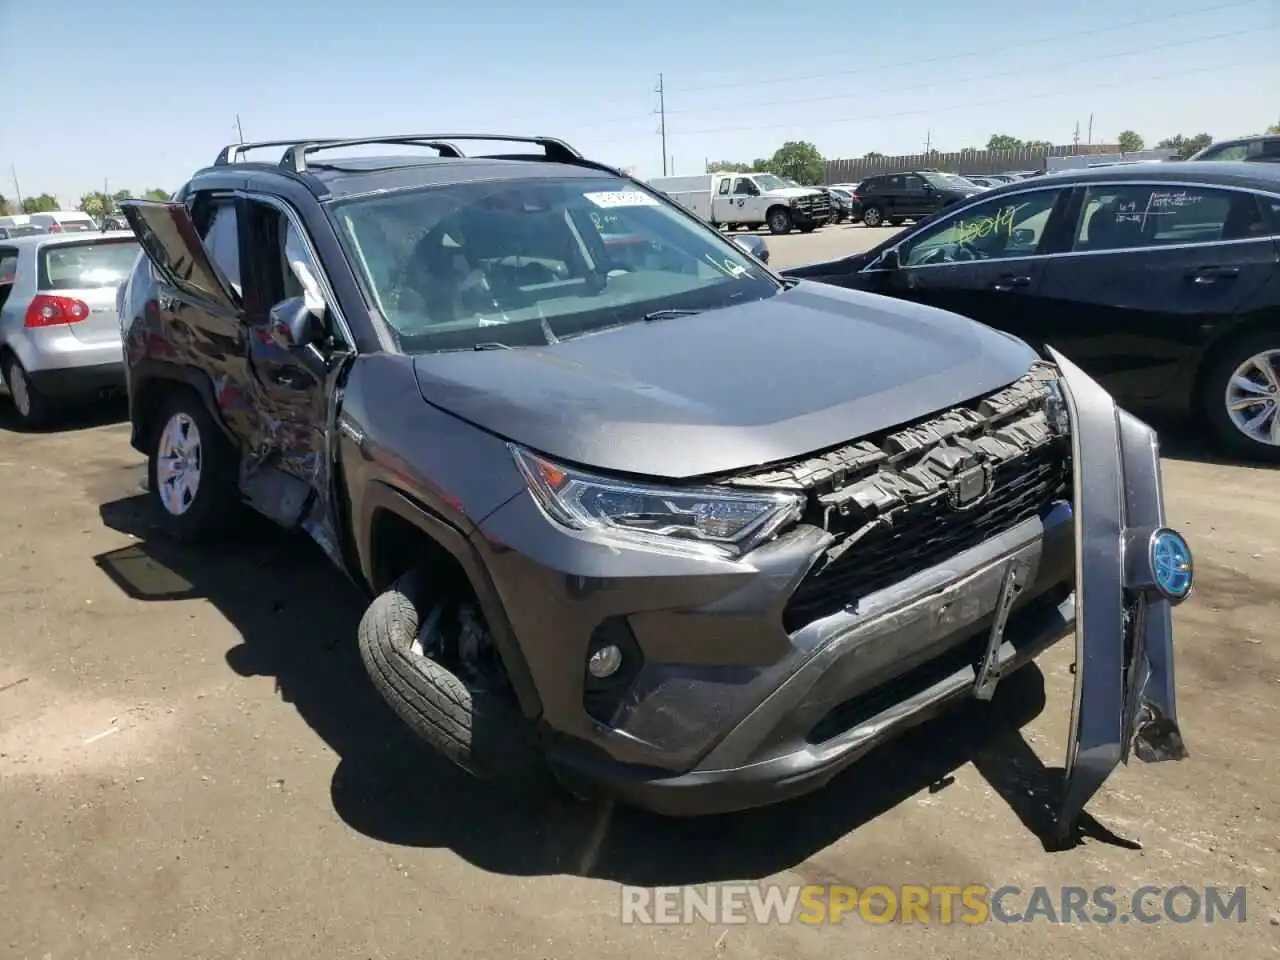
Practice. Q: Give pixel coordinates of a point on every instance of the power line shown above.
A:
(829, 121)
(1109, 28)
(916, 61)
(950, 82)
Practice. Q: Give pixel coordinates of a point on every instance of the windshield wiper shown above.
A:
(491, 345)
(668, 314)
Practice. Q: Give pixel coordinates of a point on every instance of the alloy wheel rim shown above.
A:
(19, 390)
(1253, 398)
(873, 218)
(179, 461)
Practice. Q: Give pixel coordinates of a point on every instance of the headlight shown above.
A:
(693, 519)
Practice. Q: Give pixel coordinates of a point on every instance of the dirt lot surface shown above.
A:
(193, 765)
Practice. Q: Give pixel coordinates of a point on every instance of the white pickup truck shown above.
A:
(748, 200)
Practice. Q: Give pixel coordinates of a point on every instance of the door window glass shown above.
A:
(724, 187)
(999, 228)
(222, 241)
(914, 184)
(1153, 215)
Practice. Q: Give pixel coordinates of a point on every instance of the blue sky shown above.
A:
(142, 92)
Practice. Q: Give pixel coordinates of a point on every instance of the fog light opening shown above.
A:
(604, 661)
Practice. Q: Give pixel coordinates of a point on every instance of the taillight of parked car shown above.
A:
(50, 311)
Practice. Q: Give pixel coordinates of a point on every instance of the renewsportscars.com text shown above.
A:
(935, 904)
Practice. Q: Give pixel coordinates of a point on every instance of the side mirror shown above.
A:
(754, 245)
(889, 260)
(299, 323)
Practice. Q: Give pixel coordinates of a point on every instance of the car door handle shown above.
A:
(1204, 275)
(1007, 283)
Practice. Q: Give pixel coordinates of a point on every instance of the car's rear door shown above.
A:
(1152, 268)
(200, 320)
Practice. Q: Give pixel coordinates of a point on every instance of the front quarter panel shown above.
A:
(389, 435)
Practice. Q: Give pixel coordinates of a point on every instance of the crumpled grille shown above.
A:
(907, 501)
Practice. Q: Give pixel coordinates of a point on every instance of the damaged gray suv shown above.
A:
(632, 510)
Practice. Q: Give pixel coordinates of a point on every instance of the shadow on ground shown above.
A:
(78, 416)
(298, 617)
(1184, 438)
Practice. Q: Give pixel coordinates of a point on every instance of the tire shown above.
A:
(33, 408)
(779, 221)
(872, 216)
(199, 504)
(1244, 356)
(479, 730)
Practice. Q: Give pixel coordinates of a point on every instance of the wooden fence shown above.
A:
(967, 161)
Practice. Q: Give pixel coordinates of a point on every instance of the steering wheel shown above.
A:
(960, 251)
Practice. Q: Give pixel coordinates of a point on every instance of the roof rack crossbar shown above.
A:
(557, 151)
(232, 152)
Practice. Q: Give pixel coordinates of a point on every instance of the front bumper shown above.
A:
(728, 710)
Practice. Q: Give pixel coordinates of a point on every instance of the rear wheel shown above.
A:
(779, 221)
(33, 408)
(1240, 397)
(191, 471)
(872, 216)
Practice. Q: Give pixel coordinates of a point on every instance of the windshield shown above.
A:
(76, 266)
(842, 194)
(525, 262)
(950, 181)
(767, 181)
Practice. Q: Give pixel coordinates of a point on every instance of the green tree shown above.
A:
(873, 155)
(41, 204)
(1002, 141)
(717, 166)
(157, 194)
(1130, 142)
(1040, 146)
(1186, 146)
(96, 204)
(1274, 128)
(799, 160)
(4, 206)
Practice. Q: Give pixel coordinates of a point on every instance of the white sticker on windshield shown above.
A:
(622, 198)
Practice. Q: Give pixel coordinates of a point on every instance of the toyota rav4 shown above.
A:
(632, 509)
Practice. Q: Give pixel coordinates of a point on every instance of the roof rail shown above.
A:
(557, 151)
(232, 152)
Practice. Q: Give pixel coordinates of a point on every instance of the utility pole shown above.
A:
(239, 129)
(16, 189)
(662, 121)
(1075, 139)
(928, 140)
(1090, 140)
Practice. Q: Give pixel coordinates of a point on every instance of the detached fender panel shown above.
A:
(1124, 686)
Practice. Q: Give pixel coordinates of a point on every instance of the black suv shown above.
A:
(895, 198)
(621, 523)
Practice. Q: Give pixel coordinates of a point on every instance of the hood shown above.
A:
(810, 368)
(793, 192)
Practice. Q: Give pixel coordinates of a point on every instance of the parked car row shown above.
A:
(637, 515)
(1162, 280)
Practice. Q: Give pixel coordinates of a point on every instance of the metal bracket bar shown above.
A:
(984, 686)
